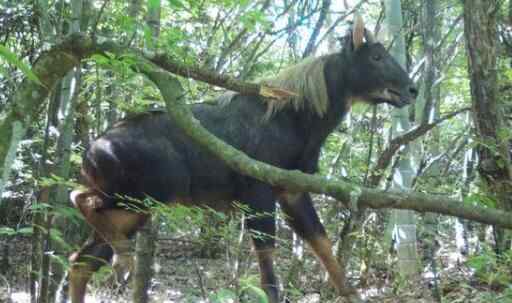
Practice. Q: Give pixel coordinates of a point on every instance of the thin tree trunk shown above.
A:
(311, 45)
(38, 222)
(38, 266)
(425, 114)
(58, 195)
(144, 249)
(146, 237)
(468, 174)
(404, 221)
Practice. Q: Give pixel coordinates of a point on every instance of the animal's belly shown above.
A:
(210, 189)
(223, 203)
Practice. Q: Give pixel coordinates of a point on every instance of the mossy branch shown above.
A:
(53, 65)
(297, 181)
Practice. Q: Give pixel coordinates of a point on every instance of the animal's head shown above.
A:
(374, 75)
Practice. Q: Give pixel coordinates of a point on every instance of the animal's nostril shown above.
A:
(413, 91)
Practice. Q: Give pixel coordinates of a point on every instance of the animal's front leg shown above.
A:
(261, 223)
(304, 220)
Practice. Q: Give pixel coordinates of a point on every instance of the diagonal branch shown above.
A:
(402, 140)
(53, 64)
(80, 47)
(297, 181)
(166, 62)
(311, 47)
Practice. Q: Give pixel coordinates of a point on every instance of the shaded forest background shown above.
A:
(453, 143)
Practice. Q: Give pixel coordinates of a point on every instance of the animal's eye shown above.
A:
(376, 57)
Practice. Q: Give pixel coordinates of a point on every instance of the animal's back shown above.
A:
(148, 155)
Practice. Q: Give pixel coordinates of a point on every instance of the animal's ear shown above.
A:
(357, 31)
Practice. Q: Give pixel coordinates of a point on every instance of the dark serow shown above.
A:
(149, 156)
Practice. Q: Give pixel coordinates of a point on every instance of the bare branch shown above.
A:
(311, 47)
(404, 139)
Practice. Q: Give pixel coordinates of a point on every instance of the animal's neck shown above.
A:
(316, 128)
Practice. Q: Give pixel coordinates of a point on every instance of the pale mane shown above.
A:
(307, 80)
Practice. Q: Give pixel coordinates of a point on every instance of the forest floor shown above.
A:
(183, 275)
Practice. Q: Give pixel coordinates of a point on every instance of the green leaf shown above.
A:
(40, 207)
(153, 4)
(54, 180)
(7, 231)
(69, 213)
(4, 72)
(25, 231)
(223, 296)
(148, 37)
(62, 260)
(175, 4)
(100, 59)
(56, 236)
(259, 293)
(252, 18)
(480, 199)
(11, 58)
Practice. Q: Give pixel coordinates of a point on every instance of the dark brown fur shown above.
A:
(149, 155)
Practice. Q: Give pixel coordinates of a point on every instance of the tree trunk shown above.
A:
(404, 221)
(59, 195)
(146, 237)
(468, 174)
(426, 112)
(494, 165)
(144, 249)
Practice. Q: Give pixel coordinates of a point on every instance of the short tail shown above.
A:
(87, 201)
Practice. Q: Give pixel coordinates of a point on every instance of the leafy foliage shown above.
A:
(250, 40)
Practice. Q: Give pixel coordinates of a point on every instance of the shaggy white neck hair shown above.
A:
(307, 80)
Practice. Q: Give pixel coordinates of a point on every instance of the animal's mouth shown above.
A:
(392, 96)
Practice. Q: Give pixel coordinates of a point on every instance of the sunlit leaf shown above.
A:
(11, 58)
(7, 231)
(153, 4)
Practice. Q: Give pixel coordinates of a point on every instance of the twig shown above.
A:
(404, 139)
(8, 287)
(179, 240)
(370, 149)
(204, 293)
(339, 20)
(97, 21)
(311, 46)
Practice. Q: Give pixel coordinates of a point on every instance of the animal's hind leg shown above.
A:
(114, 227)
(117, 226)
(94, 254)
(261, 222)
(302, 217)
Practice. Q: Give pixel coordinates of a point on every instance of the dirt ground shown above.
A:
(182, 274)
